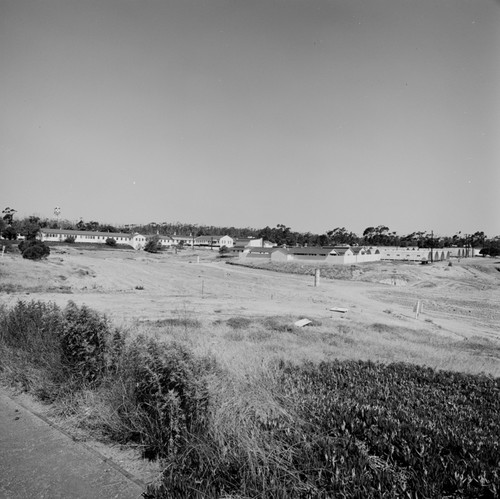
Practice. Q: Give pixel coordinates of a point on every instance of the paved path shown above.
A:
(39, 461)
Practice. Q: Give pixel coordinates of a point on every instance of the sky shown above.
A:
(314, 114)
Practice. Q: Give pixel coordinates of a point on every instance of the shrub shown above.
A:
(70, 239)
(86, 339)
(152, 246)
(223, 250)
(170, 398)
(111, 242)
(33, 249)
(52, 352)
(32, 326)
(30, 354)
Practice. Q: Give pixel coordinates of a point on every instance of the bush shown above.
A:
(70, 239)
(33, 249)
(111, 242)
(32, 327)
(87, 343)
(52, 351)
(152, 246)
(30, 354)
(169, 396)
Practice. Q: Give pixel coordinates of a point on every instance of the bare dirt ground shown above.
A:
(129, 286)
(460, 302)
(458, 328)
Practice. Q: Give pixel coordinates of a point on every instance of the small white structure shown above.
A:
(214, 241)
(165, 241)
(183, 240)
(253, 242)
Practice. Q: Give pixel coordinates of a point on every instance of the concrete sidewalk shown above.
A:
(39, 461)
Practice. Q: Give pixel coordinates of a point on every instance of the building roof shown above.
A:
(311, 250)
(71, 232)
(209, 236)
(259, 249)
(244, 240)
(357, 250)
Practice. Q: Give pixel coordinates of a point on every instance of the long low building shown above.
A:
(214, 241)
(343, 255)
(137, 241)
(313, 254)
(414, 254)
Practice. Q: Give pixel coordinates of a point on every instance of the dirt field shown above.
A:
(460, 318)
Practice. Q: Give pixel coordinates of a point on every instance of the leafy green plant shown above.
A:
(110, 241)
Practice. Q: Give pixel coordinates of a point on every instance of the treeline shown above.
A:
(10, 228)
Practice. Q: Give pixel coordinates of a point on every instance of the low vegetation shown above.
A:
(326, 271)
(32, 249)
(329, 429)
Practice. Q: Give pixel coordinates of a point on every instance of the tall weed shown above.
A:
(166, 399)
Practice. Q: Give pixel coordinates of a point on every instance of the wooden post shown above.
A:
(316, 278)
(417, 308)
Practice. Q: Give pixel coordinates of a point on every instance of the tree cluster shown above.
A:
(281, 235)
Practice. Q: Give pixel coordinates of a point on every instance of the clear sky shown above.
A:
(311, 113)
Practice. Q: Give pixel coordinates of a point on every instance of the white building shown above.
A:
(165, 241)
(414, 254)
(137, 241)
(214, 241)
(313, 254)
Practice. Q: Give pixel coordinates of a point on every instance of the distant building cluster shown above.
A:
(136, 240)
(259, 249)
(342, 255)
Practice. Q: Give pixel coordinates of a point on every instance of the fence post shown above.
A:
(316, 278)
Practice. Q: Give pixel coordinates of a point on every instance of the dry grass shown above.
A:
(244, 345)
